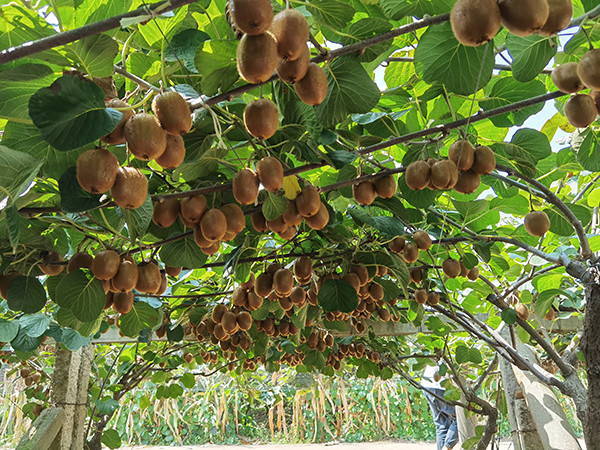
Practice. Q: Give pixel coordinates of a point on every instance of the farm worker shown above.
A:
(444, 415)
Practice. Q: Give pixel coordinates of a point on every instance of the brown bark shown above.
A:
(590, 345)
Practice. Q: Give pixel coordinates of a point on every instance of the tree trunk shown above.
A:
(590, 345)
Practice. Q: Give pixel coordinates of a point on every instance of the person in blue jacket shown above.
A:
(444, 415)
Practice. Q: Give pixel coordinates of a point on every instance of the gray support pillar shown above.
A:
(466, 425)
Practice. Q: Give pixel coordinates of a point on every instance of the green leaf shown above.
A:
(440, 58)
(141, 316)
(183, 252)
(82, 295)
(337, 295)
(111, 438)
(509, 316)
(138, 219)
(175, 334)
(398, 9)
(273, 205)
(188, 380)
(183, 47)
(94, 55)
(467, 354)
(543, 304)
(586, 146)
(8, 329)
(72, 197)
(206, 164)
(17, 171)
(364, 29)
(530, 55)
(350, 90)
(71, 113)
(506, 91)
(26, 294)
(17, 85)
(34, 325)
(106, 405)
(216, 61)
(333, 13)
(24, 343)
(73, 340)
(389, 226)
(418, 199)
(13, 222)
(158, 31)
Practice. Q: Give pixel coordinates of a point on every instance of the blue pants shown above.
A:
(444, 417)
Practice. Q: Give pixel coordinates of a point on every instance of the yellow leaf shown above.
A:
(291, 187)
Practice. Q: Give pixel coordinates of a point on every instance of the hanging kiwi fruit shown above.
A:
(475, 22)
(261, 118)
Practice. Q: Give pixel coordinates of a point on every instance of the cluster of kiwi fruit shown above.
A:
(461, 171)
(581, 109)
(365, 192)
(476, 22)
(410, 250)
(246, 182)
(148, 137)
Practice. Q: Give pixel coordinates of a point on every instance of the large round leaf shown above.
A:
(26, 294)
(141, 316)
(337, 295)
(83, 296)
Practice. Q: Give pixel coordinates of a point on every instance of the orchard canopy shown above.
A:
(277, 222)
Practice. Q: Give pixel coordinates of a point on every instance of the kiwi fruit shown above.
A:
(566, 79)
(417, 175)
(468, 182)
(283, 281)
(229, 322)
(524, 17)
(385, 187)
(475, 22)
(163, 284)
(292, 71)
(165, 212)
(352, 279)
(463, 270)
(312, 89)
(254, 301)
(416, 275)
(52, 264)
(244, 320)
(193, 208)
(261, 118)
(522, 311)
(117, 136)
(451, 267)
(277, 225)
(126, 277)
(462, 154)
(473, 274)
(173, 271)
(130, 189)
(174, 153)
(212, 249)
(173, 112)
(303, 267)
(422, 240)
(105, 264)
(291, 32)
(213, 224)
(270, 173)
(80, 260)
(308, 202)
(421, 296)
(257, 57)
(288, 233)
(5, 281)
(397, 244)
(291, 216)
(444, 174)
(537, 223)
(251, 17)
(484, 160)
(550, 315)
(263, 285)
(149, 278)
(364, 193)
(239, 297)
(145, 137)
(559, 17)
(433, 298)
(319, 220)
(410, 253)
(376, 291)
(580, 110)
(97, 170)
(245, 186)
(596, 98)
(234, 216)
(247, 285)
(218, 312)
(362, 272)
(259, 222)
(122, 302)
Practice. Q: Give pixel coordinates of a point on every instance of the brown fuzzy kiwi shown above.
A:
(245, 186)
(384, 315)
(289, 232)
(200, 239)
(312, 89)
(165, 212)
(251, 17)
(352, 279)
(229, 322)
(254, 301)
(416, 275)
(468, 182)
(319, 220)
(244, 320)
(145, 137)
(117, 136)
(80, 260)
(292, 71)
(263, 285)
(270, 173)
(376, 291)
(362, 272)
(566, 79)
(580, 110)
(444, 174)
(212, 249)
(385, 187)
(524, 17)
(303, 267)
(550, 315)
(364, 193)
(173, 271)
(234, 216)
(173, 112)
(596, 97)
(433, 298)
(559, 17)
(105, 264)
(397, 244)
(291, 31)
(473, 274)
(417, 175)
(193, 208)
(298, 295)
(537, 223)
(97, 170)
(475, 22)
(108, 301)
(308, 202)
(213, 224)
(218, 312)
(149, 278)
(130, 189)
(463, 270)
(484, 161)
(239, 297)
(123, 302)
(382, 271)
(291, 216)
(422, 240)
(257, 57)
(283, 282)
(259, 222)
(5, 281)
(50, 266)
(277, 225)
(421, 296)
(126, 277)
(462, 153)
(174, 153)
(247, 285)
(261, 118)
(451, 267)
(410, 253)
(522, 311)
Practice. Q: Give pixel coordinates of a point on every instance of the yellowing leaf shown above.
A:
(291, 187)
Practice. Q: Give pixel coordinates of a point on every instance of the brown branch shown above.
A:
(504, 67)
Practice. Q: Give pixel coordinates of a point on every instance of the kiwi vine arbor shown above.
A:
(437, 91)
